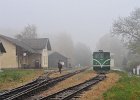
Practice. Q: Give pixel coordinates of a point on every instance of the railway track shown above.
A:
(71, 92)
(35, 87)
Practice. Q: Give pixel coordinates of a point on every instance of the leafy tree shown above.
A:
(29, 32)
(128, 28)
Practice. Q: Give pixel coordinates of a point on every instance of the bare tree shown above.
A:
(128, 28)
(29, 32)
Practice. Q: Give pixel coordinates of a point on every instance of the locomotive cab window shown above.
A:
(101, 55)
(98, 55)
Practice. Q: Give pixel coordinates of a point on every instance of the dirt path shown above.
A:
(76, 79)
(57, 74)
(95, 93)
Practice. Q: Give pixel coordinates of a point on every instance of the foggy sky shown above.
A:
(85, 20)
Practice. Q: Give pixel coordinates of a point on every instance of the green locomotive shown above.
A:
(101, 61)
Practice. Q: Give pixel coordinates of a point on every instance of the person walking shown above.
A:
(59, 66)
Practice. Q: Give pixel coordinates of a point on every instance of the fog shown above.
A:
(63, 43)
(78, 54)
(115, 46)
(85, 20)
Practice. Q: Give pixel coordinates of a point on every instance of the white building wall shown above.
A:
(45, 58)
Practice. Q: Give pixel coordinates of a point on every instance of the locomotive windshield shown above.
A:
(99, 55)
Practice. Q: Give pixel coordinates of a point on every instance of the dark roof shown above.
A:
(38, 44)
(19, 43)
(56, 53)
(29, 44)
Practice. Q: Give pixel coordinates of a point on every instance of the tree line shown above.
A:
(125, 40)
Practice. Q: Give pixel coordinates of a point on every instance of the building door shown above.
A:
(37, 64)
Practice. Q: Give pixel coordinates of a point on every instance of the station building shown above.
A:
(28, 53)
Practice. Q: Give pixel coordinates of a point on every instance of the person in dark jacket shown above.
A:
(59, 66)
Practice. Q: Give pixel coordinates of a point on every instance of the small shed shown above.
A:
(54, 58)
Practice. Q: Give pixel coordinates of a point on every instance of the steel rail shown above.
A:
(70, 92)
(37, 87)
(23, 87)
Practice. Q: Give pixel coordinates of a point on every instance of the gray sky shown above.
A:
(85, 20)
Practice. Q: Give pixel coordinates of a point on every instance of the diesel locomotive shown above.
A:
(101, 61)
